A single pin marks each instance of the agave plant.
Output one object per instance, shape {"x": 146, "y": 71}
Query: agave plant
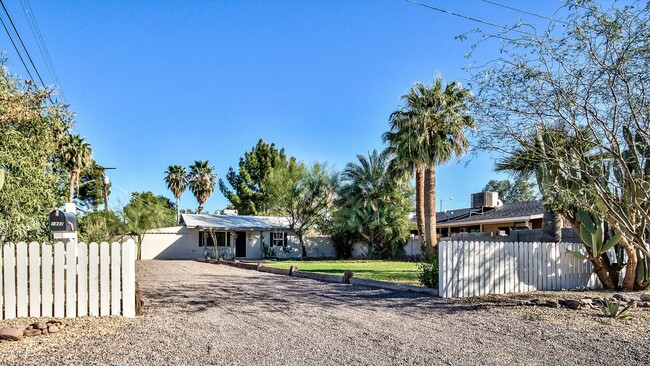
{"x": 614, "y": 310}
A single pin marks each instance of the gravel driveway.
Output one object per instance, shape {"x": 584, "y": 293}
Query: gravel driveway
{"x": 200, "y": 314}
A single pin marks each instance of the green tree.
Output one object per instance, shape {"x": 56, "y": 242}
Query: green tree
{"x": 374, "y": 205}
{"x": 249, "y": 195}
{"x": 521, "y": 189}
{"x": 176, "y": 180}
{"x": 587, "y": 77}
{"x": 302, "y": 195}
{"x": 432, "y": 125}
{"x": 146, "y": 211}
{"x": 91, "y": 187}
{"x": 76, "y": 156}
{"x": 30, "y": 132}
{"x": 201, "y": 182}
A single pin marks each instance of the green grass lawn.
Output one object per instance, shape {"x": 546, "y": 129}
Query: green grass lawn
{"x": 393, "y": 271}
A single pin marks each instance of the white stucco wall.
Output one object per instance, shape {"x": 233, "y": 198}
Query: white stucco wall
{"x": 171, "y": 243}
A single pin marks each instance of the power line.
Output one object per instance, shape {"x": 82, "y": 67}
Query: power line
{"x": 42, "y": 47}
{"x": 524, "y": 11}
{"x": 22, "y": 43}
{"x": 466, "y": 17}
{"x": 16, "y": 48}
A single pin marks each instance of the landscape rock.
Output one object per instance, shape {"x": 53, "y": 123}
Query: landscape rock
{"x": 40, "y": 325}
{"x": 645, "y": 297}
{"x": 622, "y": 297}
{"x": 571, "y": 304}
{"x": 32, "y": 332}
{"x": 12, "y": 334}
{"x": 587, "y": 301}
{"x": 53, "y": 329}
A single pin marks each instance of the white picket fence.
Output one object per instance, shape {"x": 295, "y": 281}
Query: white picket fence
{"x": 67, "y": 280}
{"x": 479, "y": 268}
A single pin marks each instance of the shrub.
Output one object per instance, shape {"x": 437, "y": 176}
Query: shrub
{"x": 615, "y": 310}
{"x": 428, "y": 275}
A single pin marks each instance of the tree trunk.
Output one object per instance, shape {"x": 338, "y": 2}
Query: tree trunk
{"x": 419, "y": 208}
{"x": 105, "y": 194}
{"x": 630, "y": 268}
{"x": 551, "y": 227}
{"x": 430, "y": 208}
{"x": 71, "y": 193}
{"x": 302, "y": 247}
{"x": 200, "y": 208}
{"x": 178, "y": 212}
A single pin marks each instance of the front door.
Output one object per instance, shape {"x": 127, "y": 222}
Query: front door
{"x": 240, "y": 244}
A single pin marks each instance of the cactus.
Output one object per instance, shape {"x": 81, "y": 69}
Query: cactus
{"x": 592, "y": 234}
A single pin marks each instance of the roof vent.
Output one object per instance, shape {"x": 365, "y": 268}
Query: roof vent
{"x": 485, "y": 199}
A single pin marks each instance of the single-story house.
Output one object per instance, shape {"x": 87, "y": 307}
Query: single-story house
{"x": 498, "y": 220}
{"x": 230, "y": 236}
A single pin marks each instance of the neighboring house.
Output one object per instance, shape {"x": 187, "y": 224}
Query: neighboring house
{"x": 230, "y": 236}
{"x": 492, "y": 221}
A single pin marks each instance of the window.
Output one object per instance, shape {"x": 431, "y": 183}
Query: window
{"x": 278, "y": 238}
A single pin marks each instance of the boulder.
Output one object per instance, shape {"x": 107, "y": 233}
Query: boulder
{"x": 53, "y": 329}
{"x": 12, "y": 334}
{"x": 40, "y": 325}
{"x": 645, "y": 297}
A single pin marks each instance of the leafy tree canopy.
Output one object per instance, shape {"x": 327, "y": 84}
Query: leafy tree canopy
{"x": 249, "y": 194}
{"x": 520, "y": 189}
{"x": 30, "y": 130}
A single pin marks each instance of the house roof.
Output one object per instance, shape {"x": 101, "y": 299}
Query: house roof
{"x": 506, "y": 212}
{"x": 235, "y": 222}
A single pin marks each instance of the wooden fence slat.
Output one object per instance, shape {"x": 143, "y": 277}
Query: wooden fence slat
{"x": 104, "y": 280}
{"x": 93, "y": 279}
{"x": 442, "y": 269}
{"x": 82, "y": 279}
{"x": 116, "y": 294}
{"x": 34, "y": 279}
{"x": 22, "y": 300}
{"x": 59, "y": 280}
{"x": 46, "y": 277}
{"x": 128, "y": 279}
{"x": 71, "y": 280}
{"x": 10, "y": 280}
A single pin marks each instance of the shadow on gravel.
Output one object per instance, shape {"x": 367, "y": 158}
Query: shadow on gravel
{"x": 268, "y": 293}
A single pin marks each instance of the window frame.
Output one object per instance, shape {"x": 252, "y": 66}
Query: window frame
{"x": 275, "y": 239}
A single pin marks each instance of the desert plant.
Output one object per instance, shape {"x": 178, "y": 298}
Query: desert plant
{"x": 613, "y": 309}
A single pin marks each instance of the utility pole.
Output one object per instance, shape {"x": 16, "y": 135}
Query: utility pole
{"x": 105, "y": 183}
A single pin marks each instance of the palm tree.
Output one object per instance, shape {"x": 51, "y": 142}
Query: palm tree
{"x": 176, "y": 179}
{"x": 376, "y": 205}
{"x": 76, "y": 155}
{"x": 427, "y": 131}
{"x": 202, "y": 181}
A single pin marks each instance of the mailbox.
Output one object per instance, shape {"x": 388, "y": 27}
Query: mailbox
{"x": 63, "y": 222}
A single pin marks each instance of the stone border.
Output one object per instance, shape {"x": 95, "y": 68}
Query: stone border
{"x": 348, "y": 277}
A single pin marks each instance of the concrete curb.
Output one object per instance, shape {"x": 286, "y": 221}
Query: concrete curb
{"x": 328, "y": 277}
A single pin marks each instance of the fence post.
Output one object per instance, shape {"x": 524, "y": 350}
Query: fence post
{"x": 46, "y": 270}
{"x": 34, "y": 279}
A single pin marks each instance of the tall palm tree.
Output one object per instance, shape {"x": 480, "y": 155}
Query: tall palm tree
{"x": 427, "y": 131}
{"x": 176, "y": 179}
{"x": 202, "y": 181}
{"x": 76, "y": 155}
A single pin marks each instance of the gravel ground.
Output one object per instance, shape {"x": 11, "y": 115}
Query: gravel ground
{"x": 202, "y": 314}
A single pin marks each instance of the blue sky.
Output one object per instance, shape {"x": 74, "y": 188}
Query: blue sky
{"x": 155, "y": 83}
